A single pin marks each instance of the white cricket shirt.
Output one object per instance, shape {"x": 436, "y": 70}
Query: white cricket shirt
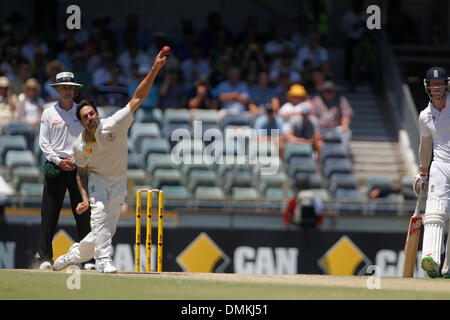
{"x": 108, "y": 155}
{"x": 437, "y": 124}
{"x": 59, "y": 129}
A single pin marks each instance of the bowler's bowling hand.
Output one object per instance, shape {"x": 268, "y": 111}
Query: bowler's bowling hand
{"x": 160, "y": 60}
{"x": 82, "y": 207}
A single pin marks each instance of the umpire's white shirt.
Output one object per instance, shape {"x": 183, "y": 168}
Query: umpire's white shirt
{"x": 59, "y": 129}
{"x": 437, "y": 124}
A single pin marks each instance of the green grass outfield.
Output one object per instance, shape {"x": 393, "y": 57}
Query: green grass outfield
{"x": 35, "y": 284}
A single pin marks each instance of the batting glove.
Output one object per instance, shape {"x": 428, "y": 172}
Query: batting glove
{"x": 420, "y": 183}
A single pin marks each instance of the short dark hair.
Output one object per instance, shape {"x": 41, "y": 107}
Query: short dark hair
{"x": 84, "y": 103}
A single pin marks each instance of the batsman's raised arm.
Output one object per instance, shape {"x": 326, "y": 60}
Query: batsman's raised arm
{"x": 144, "y": 87}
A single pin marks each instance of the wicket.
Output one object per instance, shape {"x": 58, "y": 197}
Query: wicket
{"x": 148, "y": 242}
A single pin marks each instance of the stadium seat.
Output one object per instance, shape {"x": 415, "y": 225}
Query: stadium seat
{"x": 26, "y": 174}
{"x": 7, "y": 142}
{"x": 333, "y": 165}
{"x": 279, "y": 179}
{"x": 204, "y": 193}
{"x": 237, "y": 178}
{"x": 31, "y": 189}
{"x": 159, "y": 161}
{"x": 343, "y": 179}
{"x": 137, "y": 176}
{"x": 207, "y": 117}
{"x": 297, "y": 149}
{"x": 154, "y": 115}
{"x": 176, "y": 116}
{"x": 235, "y": 119}
{"x": 134, "y": 161}
{"x": 170, "y": 129}
{"x": 263, "y": 149}
{"x": 167, "y": 175}
{"x": 16, "y": 158}
{"x": 189, "y": 151}
{"x": 187, "y": 168}
{"x": 274, "y": 194}
{"x": 154, "y": 145}
{"x": 139, "y": 131}
{"x": 301, "y": 164}
{"x": 330, "y": 135}
{"x": 346, "y": 194}
{"x": 194, "y": 184}
{"x": 379, "y": 181}
{"x": 23, "y": 129}
{"x": 333, "y": 150}
{"x": 244, "y": 198}
{"x": 176, "y": 193}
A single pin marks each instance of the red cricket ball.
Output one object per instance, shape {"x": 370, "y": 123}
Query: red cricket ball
{"x": 165, "y": 50}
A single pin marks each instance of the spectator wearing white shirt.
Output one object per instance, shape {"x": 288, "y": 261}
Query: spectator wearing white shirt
{"x": 297, "y": 101}
{"x": 29, "y": 107}
{"x": 313, "y": 52}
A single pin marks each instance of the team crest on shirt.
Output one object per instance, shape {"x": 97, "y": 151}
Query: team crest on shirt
{"x": 111, "y": 137}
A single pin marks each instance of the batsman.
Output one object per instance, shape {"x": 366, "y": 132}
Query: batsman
{"x": 434, "y": 123}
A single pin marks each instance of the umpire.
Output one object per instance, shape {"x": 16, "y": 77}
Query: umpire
{"x": 59, "y": 128}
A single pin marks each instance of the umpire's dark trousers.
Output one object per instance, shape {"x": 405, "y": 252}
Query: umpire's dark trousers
{"x": 52, "y": 201}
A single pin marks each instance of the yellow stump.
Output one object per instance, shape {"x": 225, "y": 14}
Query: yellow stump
{"x": 149, "y": 231}
{"x": 138, "y": 231}
{"x": 160, "y": 230}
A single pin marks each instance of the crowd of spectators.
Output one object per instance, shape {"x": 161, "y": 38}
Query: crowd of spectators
{"x": 284, "y": 78}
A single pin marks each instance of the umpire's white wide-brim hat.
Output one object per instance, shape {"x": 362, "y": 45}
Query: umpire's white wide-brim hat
{"x": 65, "y": 78}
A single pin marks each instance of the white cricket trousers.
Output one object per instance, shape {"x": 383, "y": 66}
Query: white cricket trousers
{"x": 436, "y": 213}
{"x": 106, "y": 198}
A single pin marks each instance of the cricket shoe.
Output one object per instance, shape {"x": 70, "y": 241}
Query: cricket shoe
{"x": 89, "y": 266}
{"x": 46, "y": 265}
{"x": 430, "y": 267}
{"x": 65, "y": 260}
{"x": 105, "y": 266}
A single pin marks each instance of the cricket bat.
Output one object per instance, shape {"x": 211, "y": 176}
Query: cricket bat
{"x": 412, "y": 241}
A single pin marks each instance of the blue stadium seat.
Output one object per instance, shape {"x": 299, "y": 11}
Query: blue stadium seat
{"x": 134, "y": 161}
{"x": 207, "y": 117}
{"x": 176, "y": 116}
{"x": 298, "y": 150}
{"x": 333, "y": 150}
{"x": 235, "y": 119}
{"x": 23, "y": 129}
{"x": 16, "y": 158}
{"x": 158, "y": 161}
{"x": 154, "y": 145}
{"x": 154, "y": 115}
{"x": 330, "y": 135}
{"x": 139, "y": 131}
{"x": 7, "y": 143}
{"x": 332, "y": 165}
{"x": 301, "y": 164}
